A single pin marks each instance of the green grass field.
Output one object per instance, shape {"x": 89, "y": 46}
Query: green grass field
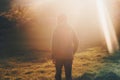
{"x": 89, "y": 61}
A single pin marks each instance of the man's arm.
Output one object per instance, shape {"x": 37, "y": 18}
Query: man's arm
{"x": 53, "y": 48}
{"x": 75, "y": 42}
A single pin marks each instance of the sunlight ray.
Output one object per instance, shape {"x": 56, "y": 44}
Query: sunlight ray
{"x": 107, "y": 27}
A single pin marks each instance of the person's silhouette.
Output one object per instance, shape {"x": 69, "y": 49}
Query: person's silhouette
{"x": 64, "y": 45}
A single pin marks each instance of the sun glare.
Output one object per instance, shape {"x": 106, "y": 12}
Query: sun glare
{"x": 107, "y": 27}
{"x": 82, "y": 15}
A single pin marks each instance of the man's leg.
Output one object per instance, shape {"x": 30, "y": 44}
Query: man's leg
{"x": 58, "y": 66}
{"x": 68, "y": 69}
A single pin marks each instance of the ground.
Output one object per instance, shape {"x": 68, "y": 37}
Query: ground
{"x": 92, "y": 60}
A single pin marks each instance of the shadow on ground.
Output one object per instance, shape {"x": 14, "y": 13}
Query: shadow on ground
{"x": 110, "y": 71}
{"x": 107, "y": 76}
{"x": 115, "y": 58}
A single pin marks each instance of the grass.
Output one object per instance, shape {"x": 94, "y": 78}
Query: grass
{"x": 88, "y": 61}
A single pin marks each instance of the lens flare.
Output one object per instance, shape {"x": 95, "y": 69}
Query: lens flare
{"x": 107, "y": 27}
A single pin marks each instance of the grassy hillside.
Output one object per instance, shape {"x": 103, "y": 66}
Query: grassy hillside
{"x": 15, "y": 68}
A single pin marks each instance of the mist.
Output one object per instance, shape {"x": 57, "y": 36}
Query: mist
{"x": 42, "y": 20}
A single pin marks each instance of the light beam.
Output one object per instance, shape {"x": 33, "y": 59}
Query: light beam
{"x": 107, "y": 27}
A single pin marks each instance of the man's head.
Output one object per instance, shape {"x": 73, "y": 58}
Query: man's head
{"x": 62, "y": 19}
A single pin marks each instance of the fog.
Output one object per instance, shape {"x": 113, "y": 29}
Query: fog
{"x": 82, "y": 17}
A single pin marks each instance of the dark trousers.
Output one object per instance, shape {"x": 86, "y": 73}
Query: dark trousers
{"x": 67, "y": 66}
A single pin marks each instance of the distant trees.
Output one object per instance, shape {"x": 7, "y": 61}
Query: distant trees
{"x": 13, "y": 21}
{"x": 5, "y": 5}
{"x": 114, "y": 8}
{"x": 7, "y": 36}
{"x": 115, "y": 15}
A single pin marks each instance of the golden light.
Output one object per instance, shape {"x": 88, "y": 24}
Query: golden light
{"x": 107, "y": 27}
{"x": 82, "y": 16}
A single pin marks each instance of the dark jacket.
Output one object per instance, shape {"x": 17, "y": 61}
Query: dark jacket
{"x": 64, "y": 43}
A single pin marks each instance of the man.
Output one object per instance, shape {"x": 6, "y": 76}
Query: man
{"x": 64, "y": 45}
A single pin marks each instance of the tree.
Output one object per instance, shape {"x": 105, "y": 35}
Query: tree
{"x": 5, "y": 5}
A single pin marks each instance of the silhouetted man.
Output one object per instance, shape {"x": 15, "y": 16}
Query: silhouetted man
{"x": 64, "y": 45}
